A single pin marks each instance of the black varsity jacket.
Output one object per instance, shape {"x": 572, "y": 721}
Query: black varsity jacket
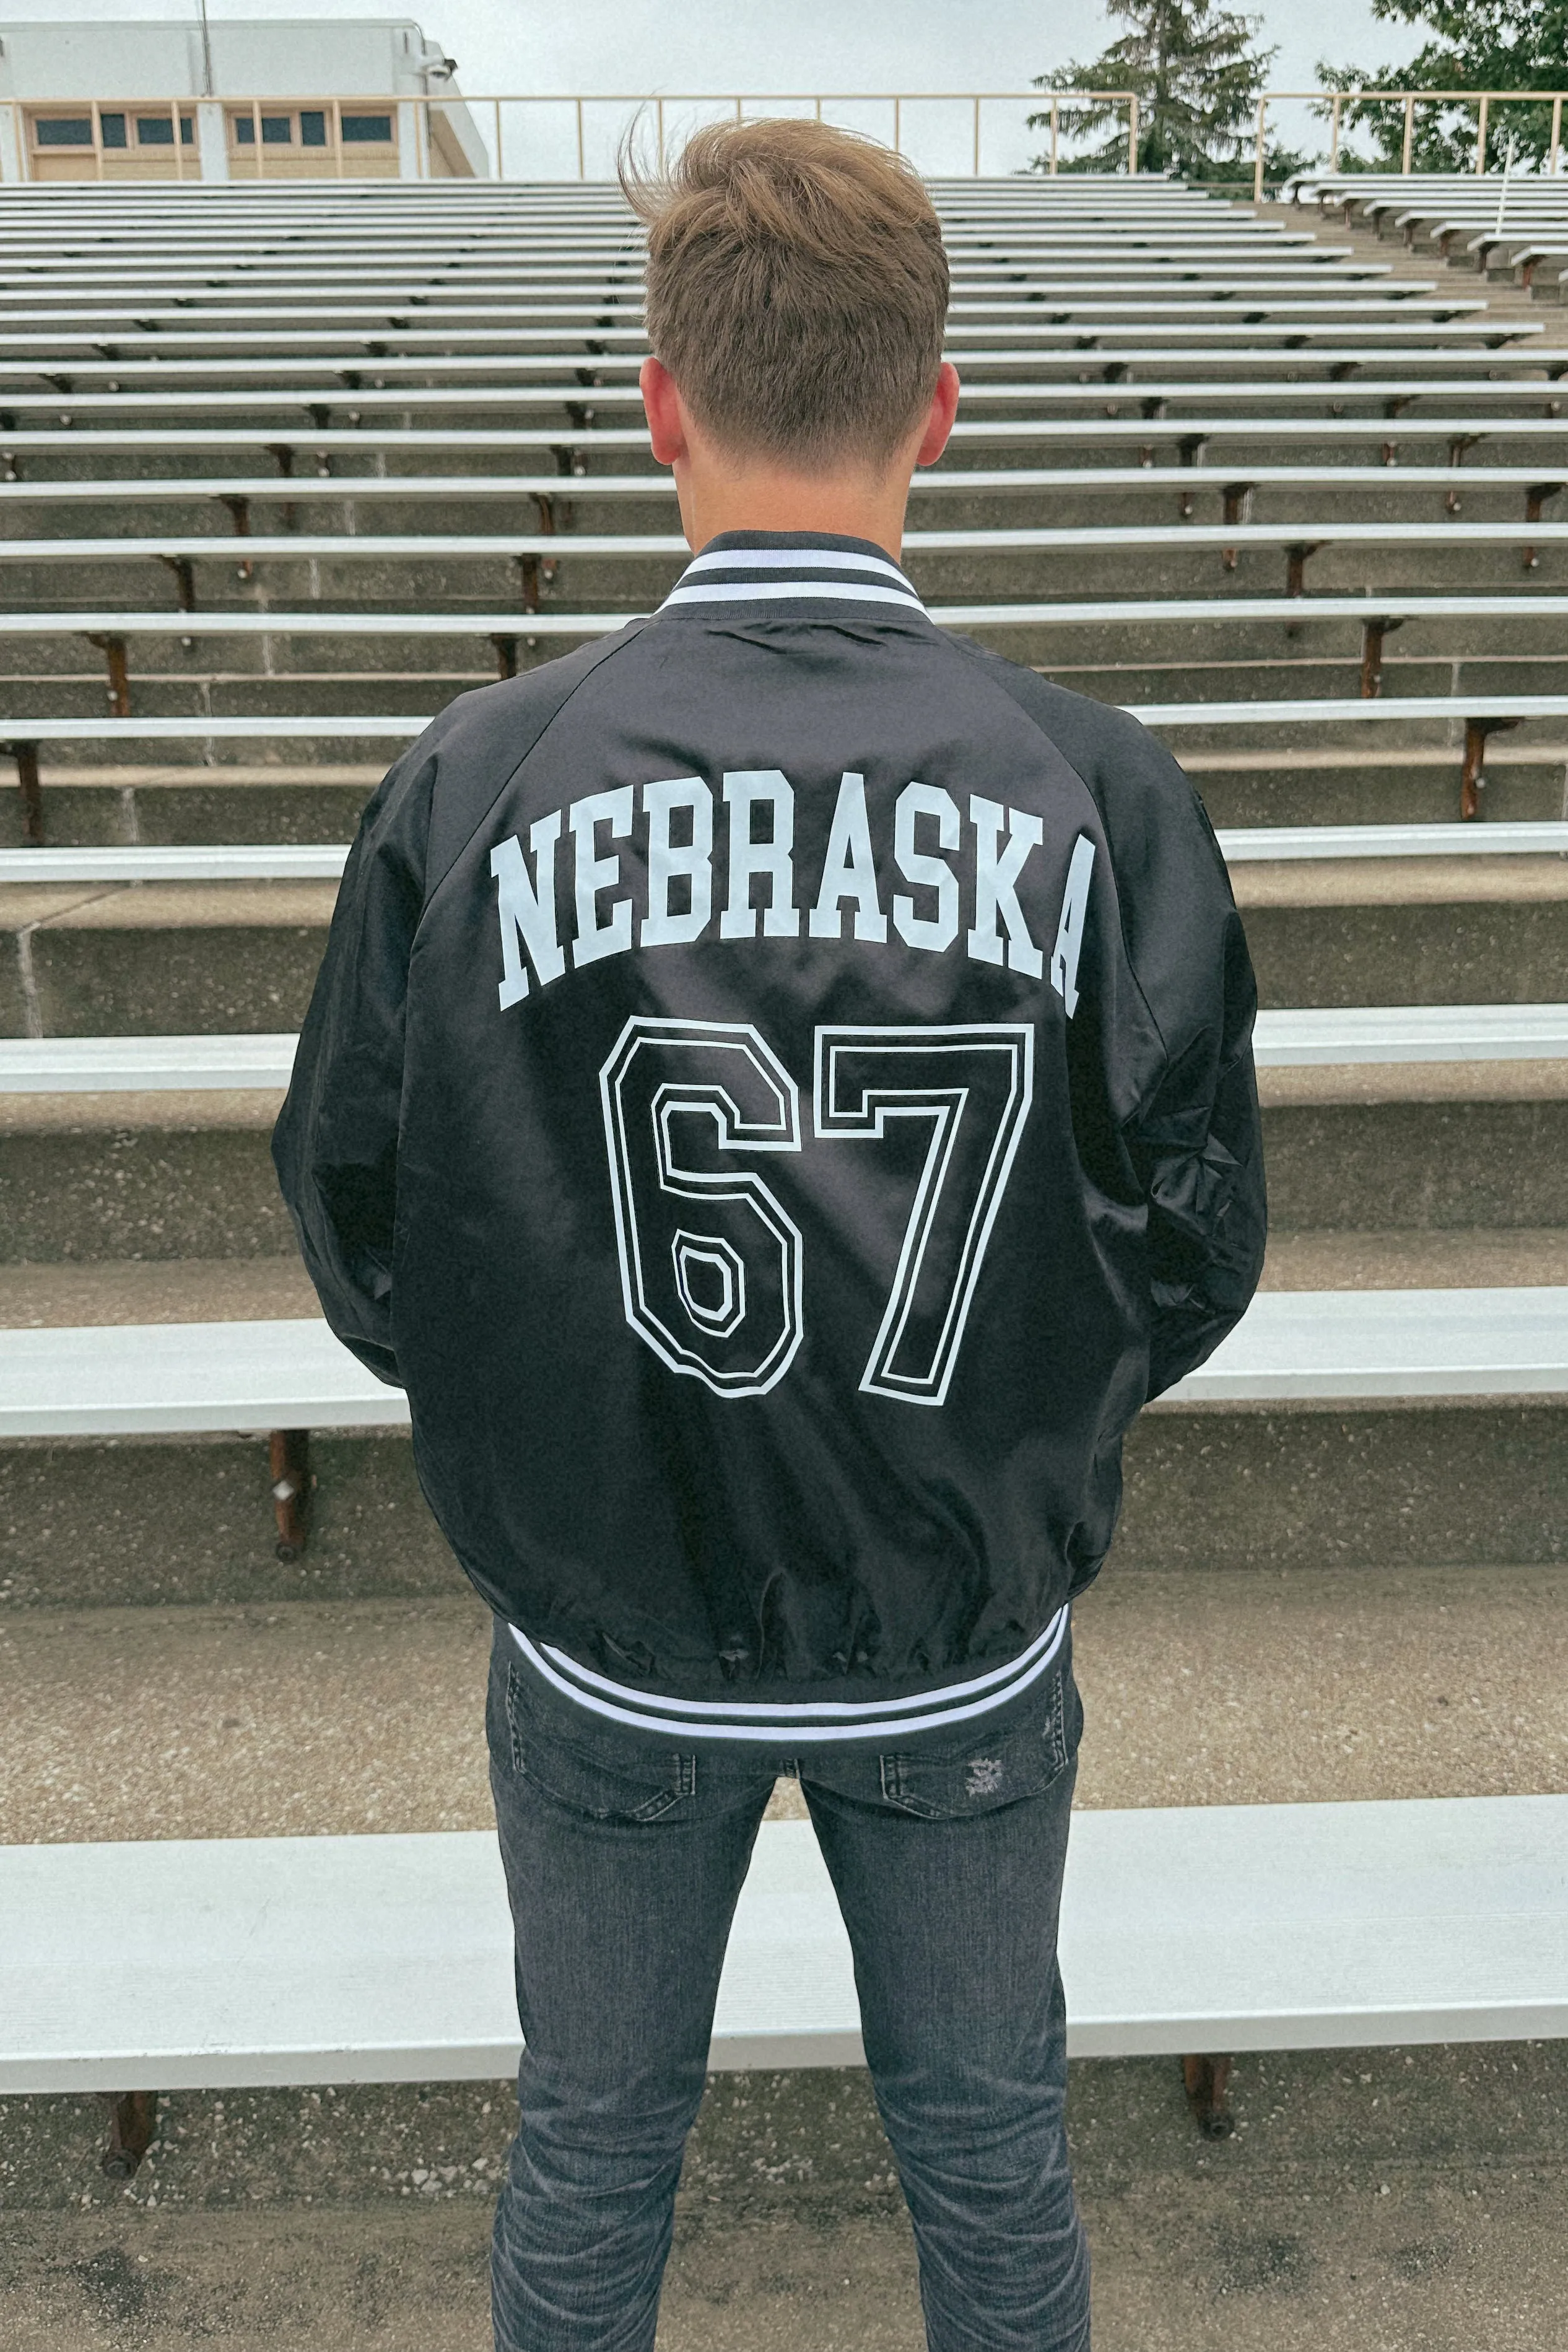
{"x": 779, "y": 1097}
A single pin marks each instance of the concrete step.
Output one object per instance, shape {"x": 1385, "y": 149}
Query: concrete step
{"x": 90, "y": 1180}
{"x": 1403, "y": 2199}
{"x": 161, "y": 959}
{"x": 323, "y": 1717}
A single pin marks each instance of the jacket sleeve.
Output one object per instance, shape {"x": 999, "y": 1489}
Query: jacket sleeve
{"x": 1194, "y": 1137}
{"x": 335, "y": 1144}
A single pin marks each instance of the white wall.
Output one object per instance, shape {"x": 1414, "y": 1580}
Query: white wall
{"x": 281, "y": 57}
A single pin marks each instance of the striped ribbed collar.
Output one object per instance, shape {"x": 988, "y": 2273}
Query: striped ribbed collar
{"x": 775, "y": 567}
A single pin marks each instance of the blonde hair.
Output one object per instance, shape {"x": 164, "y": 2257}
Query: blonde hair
{"x": 796, "y": 289}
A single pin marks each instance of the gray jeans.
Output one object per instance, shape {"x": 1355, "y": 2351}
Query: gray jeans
{"x": 624, "y": 1860}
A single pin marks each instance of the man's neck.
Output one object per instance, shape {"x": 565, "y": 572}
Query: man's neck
{"x": 841, "y": 506}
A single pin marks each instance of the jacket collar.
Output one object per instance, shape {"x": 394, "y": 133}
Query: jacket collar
{"x": 773, "y": 567}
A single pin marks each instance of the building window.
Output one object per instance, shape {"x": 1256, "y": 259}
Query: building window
{"x": 313, "y": 127}
{"x": 368, "y": 127}
{"x": 111, "y": 129}
{"x": 63, "y": 130}
{"x": 158, "y": 131}
{"x": 277, "y": 130}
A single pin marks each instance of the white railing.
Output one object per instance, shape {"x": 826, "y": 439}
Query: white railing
{"x": 1053, "y": 113}
{"x": 1483, "y": 100}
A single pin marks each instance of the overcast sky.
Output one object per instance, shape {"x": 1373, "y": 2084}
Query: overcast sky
{"x": 805, "y": 44}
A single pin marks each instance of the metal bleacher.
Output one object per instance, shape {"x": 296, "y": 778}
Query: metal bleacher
{"x": 285, "y": 469}
{"x": 1520, "y": 233}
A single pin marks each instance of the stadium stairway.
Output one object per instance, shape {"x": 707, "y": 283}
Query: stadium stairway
{"x": 163, "y": 1671}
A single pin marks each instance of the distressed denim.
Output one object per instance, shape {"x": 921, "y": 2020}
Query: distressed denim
{"x": 624, "y": 1860}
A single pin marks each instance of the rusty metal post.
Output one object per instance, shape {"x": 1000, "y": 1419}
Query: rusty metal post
{"x": 1236, "y": 508}
{"x": 1204, "y": 2081}
{"x": 27, "y": 785}
{"x": 1296, "y": 565}
{"x": 506, "y": 656}
{"x": 184, "y": 580}
{"x": 288, "y": 1464}
{"x": 119, "y": 679}
{"x": 1372, "y": 634}
{"x": 133, "y": 2125}
{"x": 1535, "y": 498}
{"x": 1472, "y": 773}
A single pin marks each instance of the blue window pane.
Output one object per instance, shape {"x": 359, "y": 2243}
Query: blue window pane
{"x": 366, "y": 128}
{"x": 313, "y": 127}
{"x": 187, "y": 129}
{"x": 154, "y": 130}
{"x": 244, "y": 131}
{"x": 277, "y": 130}
{"x": 112, "y": 129}
{"x": 63, "y": 131}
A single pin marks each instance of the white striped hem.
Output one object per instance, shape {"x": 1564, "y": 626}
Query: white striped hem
{"x": 783, "y": 1724}
{"x": 751, "y": 591}
{"x": 783, "y": 558}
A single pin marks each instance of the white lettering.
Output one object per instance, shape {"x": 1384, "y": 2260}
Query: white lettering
{"x": 931, "y": 931}
{"x": 849, "y": 871}
{"x": 669, "y": 861}
{"x": 743, "y": 789}
{"x": 997, "y": 876}
{"x": 528, "y": 908}
{"x": 1069, "y": 930}
{"x": 595, "y": 875}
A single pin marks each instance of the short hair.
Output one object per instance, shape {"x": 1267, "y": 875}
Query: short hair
{"x": 796, "y": 289}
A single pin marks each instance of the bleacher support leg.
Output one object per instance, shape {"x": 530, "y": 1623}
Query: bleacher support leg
{"x": 1296, "y": 565}
{"x": 1472, "y": 776}
{"x": 184, "y": 580}
{"x": 1535, "y": 498}
{"x": 132, "y": 2125}
{"x": 1206, "y": 2080}
{"x": 113, "y": 652}
{"x": 27, "y": 785}
{"x": 506, "y": 656}
{"x": 1372, "y": 634}
{"x": 288, "y": 1462}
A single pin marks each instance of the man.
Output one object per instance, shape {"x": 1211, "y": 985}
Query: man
{"x": 779, "y": 1098}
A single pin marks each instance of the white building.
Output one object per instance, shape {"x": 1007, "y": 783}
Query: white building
{"x": 303, "y": 98}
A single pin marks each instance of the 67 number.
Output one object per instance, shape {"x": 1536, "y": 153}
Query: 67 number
{"x": 710, "y": 1260}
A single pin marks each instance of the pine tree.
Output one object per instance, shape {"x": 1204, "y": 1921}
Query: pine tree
{"x": 1197, "y": 72}
{"x": 1479, "y": 44}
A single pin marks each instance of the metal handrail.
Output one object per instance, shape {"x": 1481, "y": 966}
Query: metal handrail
{"x": 1048, "y": 105}
{"x": 1052, "y": 104}
{"x": 1482, "y": 100}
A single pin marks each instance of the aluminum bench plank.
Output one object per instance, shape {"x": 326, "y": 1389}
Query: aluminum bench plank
{"x": 635, "y": 547}
{"x": 1249, "y": 844}
{"x": 1286, "y": 1038}
{"x": 1377, "y": 710}
{"x": 241, "y": 1962}
{"x": 1085, "y": 432}
{"x": 367, "y": 400}
{"x": 1316, "y": 1036}
{"x": 138, "y": 1379}
{"x": 1295, "y": 1346}
{"x": 295, "y": 489}
{"x": 147, "y": 1380}
{"x": 324, "y": 861}
{"x": 231, "y": 1061}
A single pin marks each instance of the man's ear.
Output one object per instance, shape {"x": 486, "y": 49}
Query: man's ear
{"x": 665, "y": 423}
{"x": 939, "y": 422}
